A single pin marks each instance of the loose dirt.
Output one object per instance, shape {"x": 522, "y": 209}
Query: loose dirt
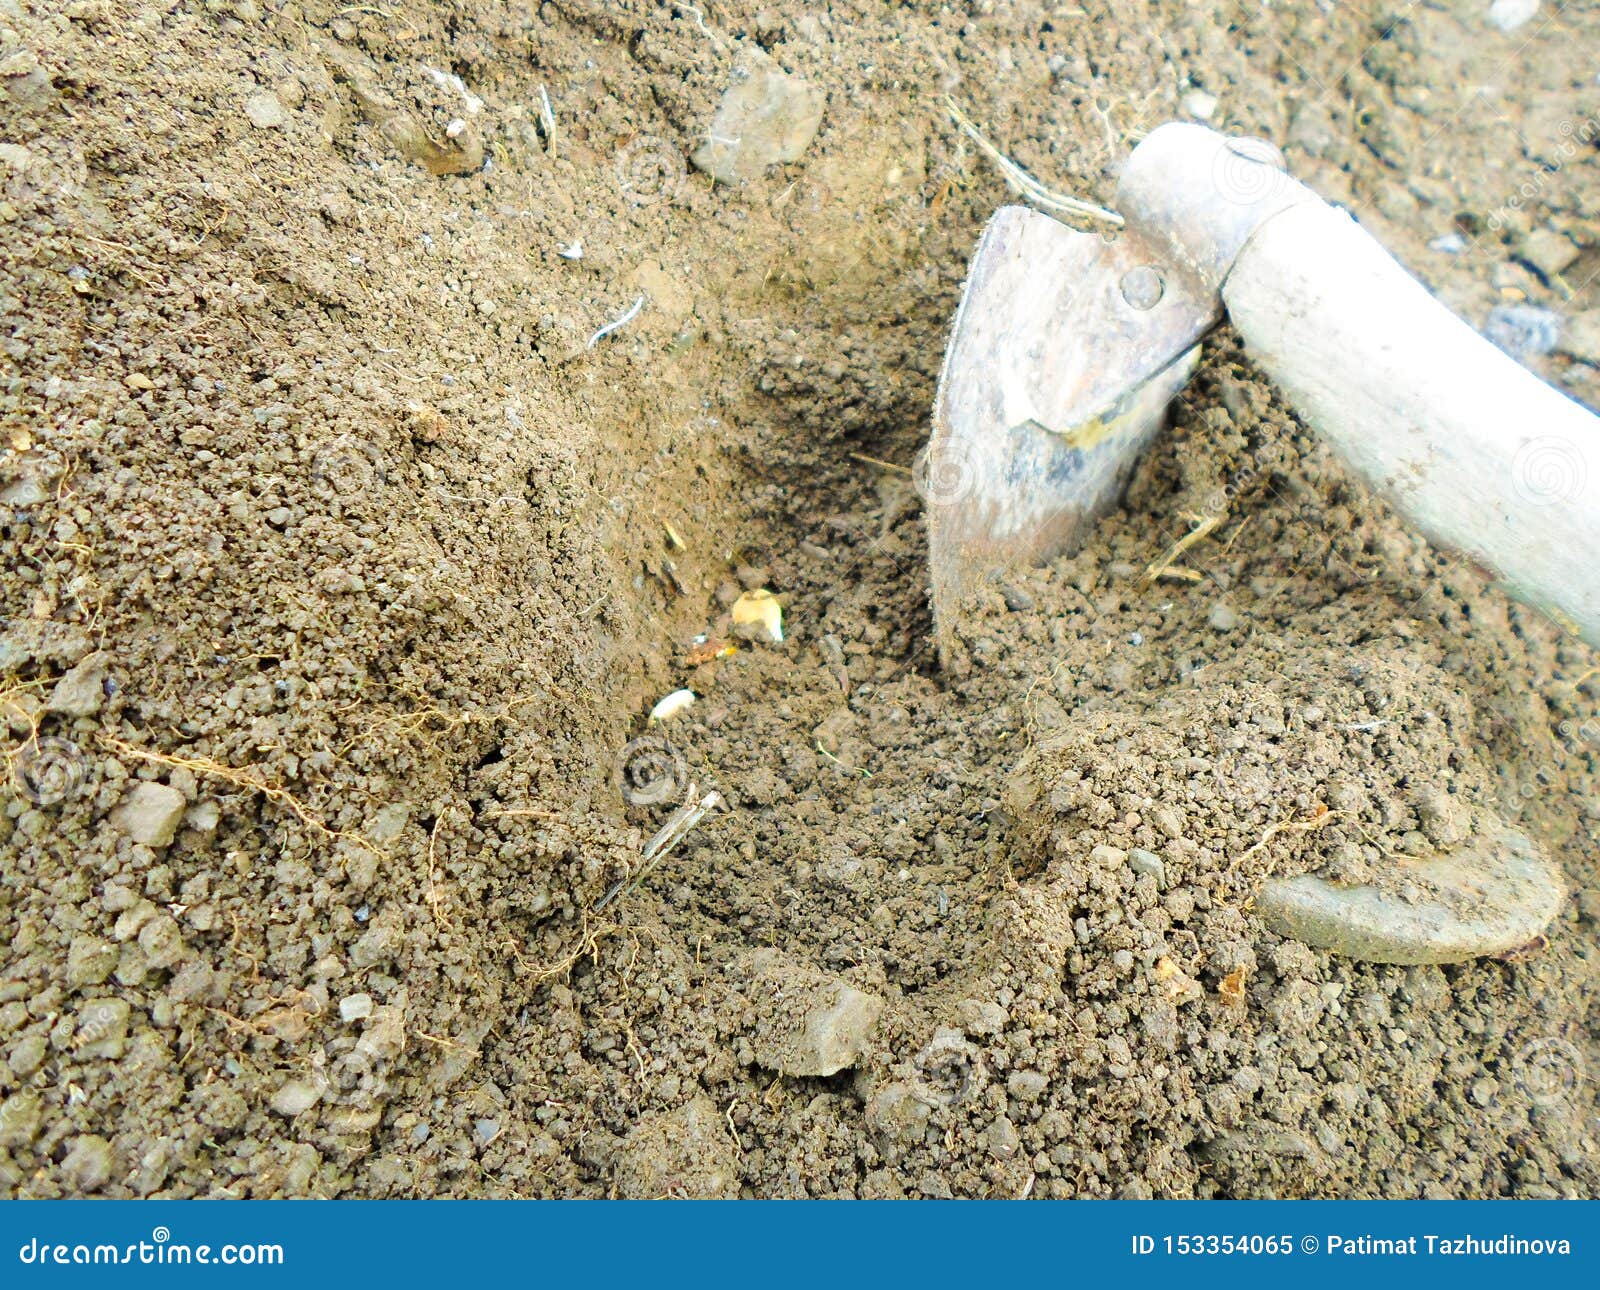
{"x": 326, "y": 518}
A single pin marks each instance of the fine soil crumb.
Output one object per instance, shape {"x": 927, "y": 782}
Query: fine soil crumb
{"x": 392, "y": 412}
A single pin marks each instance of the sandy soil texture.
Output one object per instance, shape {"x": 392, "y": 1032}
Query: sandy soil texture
{"x": 345, "y": 551}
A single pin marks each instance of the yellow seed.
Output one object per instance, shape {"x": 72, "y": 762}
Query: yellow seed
{"x": 760, "y": 614}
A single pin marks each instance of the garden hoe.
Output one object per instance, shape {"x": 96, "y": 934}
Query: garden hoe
{"x": 1067, "y": 349}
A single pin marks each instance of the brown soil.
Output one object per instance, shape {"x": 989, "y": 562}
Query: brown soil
{"x": 321, "y": 511}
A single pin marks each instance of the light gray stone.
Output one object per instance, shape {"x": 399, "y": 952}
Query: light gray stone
{"x": 1580, "y": 339}
{"x": 265, "y": 112}
{"x": 1222, "y": 617}
{"x": 808, "y": 1023}
{"x": 1148, "y": 862}
{"x": 295, "y": 1097}
{"x": 766, "y": 117}
{"x": 150, "y": 814}
{"x": 81, "y": 692}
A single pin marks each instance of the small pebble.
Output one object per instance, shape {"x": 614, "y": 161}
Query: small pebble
{"x": 1449, "y": 244}
{"x": 295, "y": 1097}
{"x": 1523, "y": 330}
{"x": 1508, "y": 15}
{"x": 150, "y": 814}
{"x": 765, "y": 117}
{"x": 1549, "y": 252}
{"x": 1148, "y": 862}
{"x": 265, "y": 112}
{"x": 1027, "y": 1086}
{"x": 355, "y": 1007}
{"x": 1199, "y": 105}
{"x": 1580, "y": 338}
{"x": 1222, "y": 617}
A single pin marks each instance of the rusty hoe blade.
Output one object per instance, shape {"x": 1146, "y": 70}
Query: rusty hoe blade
{"x": 1068, "y": 348}
{"x": 1065, "y": 353}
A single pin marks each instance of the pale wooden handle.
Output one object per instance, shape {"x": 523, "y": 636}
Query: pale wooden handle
{"x": 1475, "y": 450}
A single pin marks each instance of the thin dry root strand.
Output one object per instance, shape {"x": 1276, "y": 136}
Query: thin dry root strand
{"x": 238, "y": 778}
{"x": 1316, "y": 822}
{"x": 433, "y": 889}
{"x": 1026, "y": 184}
{"x": 1164, "y": 567}
{"x": 588, "y": 943}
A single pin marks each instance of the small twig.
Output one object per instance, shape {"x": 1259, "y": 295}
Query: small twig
{"x": 1233, "y": 537}
{"x": 677, "y": 827}
{"x": 1025, "y": 183}
{"x": 1162, "y": 568}
{"x": 1289, "y": 826}
{"x": 433, "y": 891}
{"x": 878, "y": 461}
{"x": 616, "y": 323}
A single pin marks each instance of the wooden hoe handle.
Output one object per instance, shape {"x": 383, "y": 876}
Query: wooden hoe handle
{"x": 1479, "y": 453}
